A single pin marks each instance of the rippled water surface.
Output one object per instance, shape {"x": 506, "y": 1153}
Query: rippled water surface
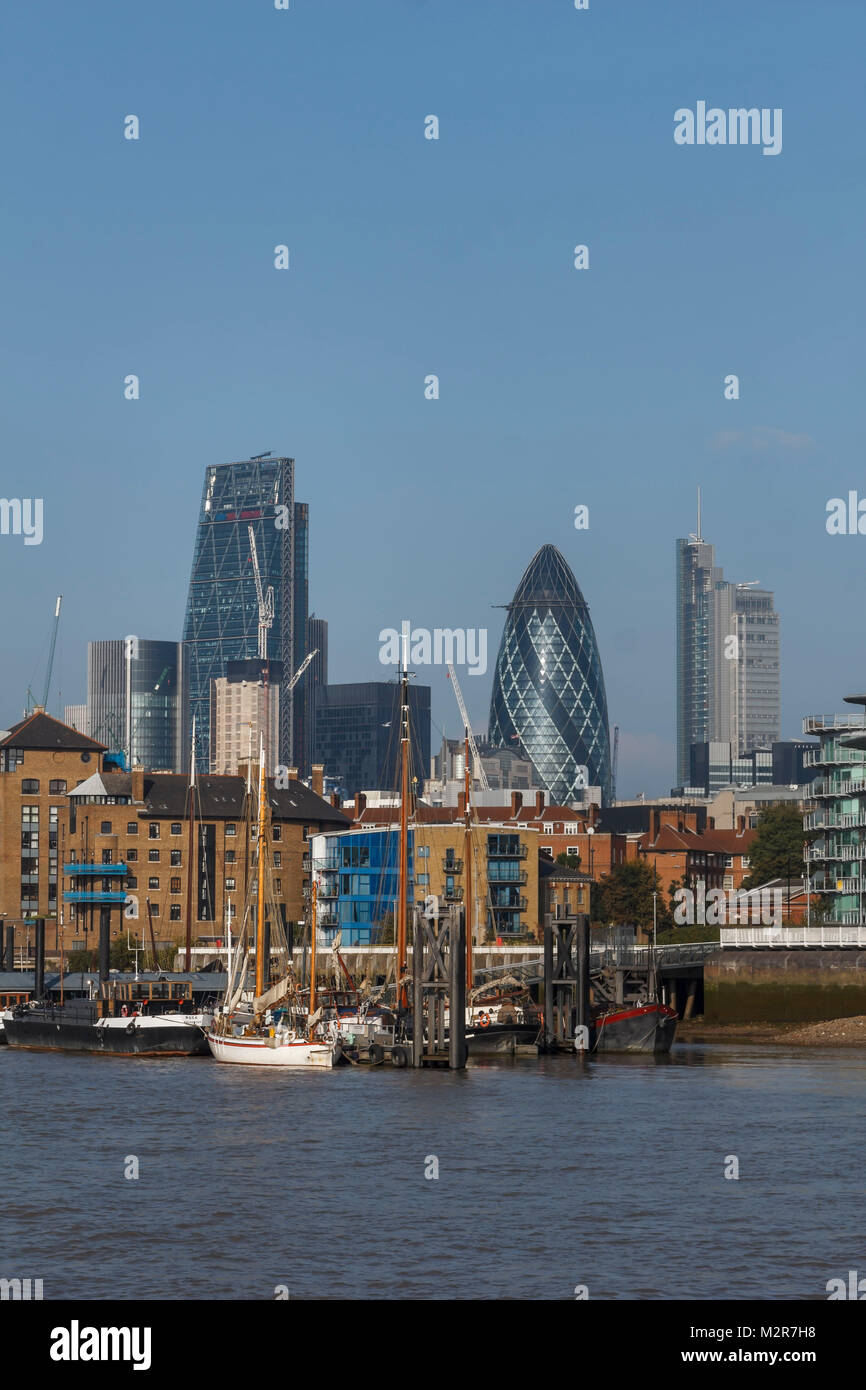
{"x": 551, "y": 1174}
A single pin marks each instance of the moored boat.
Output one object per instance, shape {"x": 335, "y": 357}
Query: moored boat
{"x": 262, "y": 1021}
{"x": 647, "y": 1027}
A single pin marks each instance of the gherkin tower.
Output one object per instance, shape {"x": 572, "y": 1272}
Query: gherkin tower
{"x": 548, "y": 688}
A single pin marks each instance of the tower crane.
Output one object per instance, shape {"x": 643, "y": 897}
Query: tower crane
{"x": 265, "y": 600}
{"x": 476, "y": 757}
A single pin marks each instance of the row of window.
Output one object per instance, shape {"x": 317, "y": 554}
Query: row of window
{"x": 56, "y": 787}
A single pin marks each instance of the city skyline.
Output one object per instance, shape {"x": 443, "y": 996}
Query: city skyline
{"x": 607, "y": 382}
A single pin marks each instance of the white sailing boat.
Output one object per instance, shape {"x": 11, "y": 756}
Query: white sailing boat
{"x": 262, "y": 1022}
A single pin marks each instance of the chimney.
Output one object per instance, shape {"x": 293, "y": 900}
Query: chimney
{"x": 516, "y": 803}
{"x": 461, "y": 803}
{"x": 318, "y": 778}
{"x": 335, "y": 800}
{"x": 137, "y": 784}
{"x": 360, "y": 804}
{"x": 539, "y": 804}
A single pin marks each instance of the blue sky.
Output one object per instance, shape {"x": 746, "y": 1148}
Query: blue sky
{"x": 453, "y": 257}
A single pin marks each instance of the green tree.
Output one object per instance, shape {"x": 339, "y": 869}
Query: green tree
{"x": 626, "y": 895}
{"x": 777, "y": 849}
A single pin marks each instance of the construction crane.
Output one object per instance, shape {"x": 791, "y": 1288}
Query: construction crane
{"x": 301, "y": 669}
{"x": 265, "y": 601}
{"x": 476, "y": 757}
{"x": 613, "y": 762}
{"x": 50, "y": 659}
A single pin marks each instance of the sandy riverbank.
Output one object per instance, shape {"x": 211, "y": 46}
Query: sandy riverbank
{"x": 834, "y": 1032}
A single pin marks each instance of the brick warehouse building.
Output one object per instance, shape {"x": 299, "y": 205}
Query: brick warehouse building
{"x": 60, "y": 803}
{"x": 41, "y": 759}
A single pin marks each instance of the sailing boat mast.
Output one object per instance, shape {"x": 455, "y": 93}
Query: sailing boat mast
{"x": 467, "y": 855}
{"x": 260, "y": 898}
{"x": 190, "y": 854}
{"x": 313, "y": 930}
{"x": 403, "y": 867}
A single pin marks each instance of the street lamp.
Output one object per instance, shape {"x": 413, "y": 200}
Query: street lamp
{"x": 590, "y": 830}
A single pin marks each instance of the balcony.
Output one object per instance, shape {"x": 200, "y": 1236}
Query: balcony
{"x": 93, "y": 896}
{"x": 818, "y": 723}
{"x": 94, "y": 870}
{"x": 453, "y": 895}
{"x": 518, "y": 905}
{"x": 519, "y": 877}
{"x": 452, "y": 866}
{"x": 518, "y": 852}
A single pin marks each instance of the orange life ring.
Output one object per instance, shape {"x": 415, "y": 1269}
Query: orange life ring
{"x": 484, "y": 1021}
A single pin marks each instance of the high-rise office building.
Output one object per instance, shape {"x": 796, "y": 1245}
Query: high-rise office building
{"x": 135, "y": 701}
{"x": 728, "y": 679}
{"x": 549, "y": 700}
{"x": 76, "y": 717}
{"x": 358, "y": 734}
{"x": 244, "y": 714}
{"x": 299, "y": 647}
{"x": 316, "y": 676}
{"x": 222, "y": 614}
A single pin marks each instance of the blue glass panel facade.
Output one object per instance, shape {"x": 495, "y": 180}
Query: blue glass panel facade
{"x": 548, "y": 690}
{"x": 222, "y": 611}
{"x": 357, "y": 884}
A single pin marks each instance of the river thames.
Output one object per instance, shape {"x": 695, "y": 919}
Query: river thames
{"x": 552, "y": 1175}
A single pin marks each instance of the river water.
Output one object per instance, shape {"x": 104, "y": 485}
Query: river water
{"x": 552, "y": 1174}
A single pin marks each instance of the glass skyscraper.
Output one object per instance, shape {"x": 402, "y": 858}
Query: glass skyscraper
{"x": 548, "y": 700}
{"x": 728, "y": 676}
{"x": 358, "y": 734}
{"x": 135, "y": 700}
{"x": 222, "y": 611}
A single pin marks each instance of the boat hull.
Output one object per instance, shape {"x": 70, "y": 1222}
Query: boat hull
{"x": 501, "y": 1039}
{"x": 48, "y": 1030}
{"x": 646, "y": 1028}
{"x": 271, "y": 1052}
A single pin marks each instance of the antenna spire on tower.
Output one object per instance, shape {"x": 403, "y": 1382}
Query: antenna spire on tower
{"x": 698, "y": 536}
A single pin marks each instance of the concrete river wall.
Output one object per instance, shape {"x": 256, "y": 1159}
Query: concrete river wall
{"x": 785, "y": 986}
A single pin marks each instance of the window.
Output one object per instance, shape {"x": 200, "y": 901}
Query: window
{"x": 132, "y": 855}
{"x": 153, "y": 856}
{"x": 132, "y": 881}
{"x": 278, "y": 886}
{"x": 230, "y": 856}
{"x": 57, "y": 787}
{"x": 278, "y": 860}
{"x": 231, "y": 830}
{"x": 230, "y": 885}
{"x": 154, "y": 909}
{"x": 153, "y": 883}
{"x": 572, "y": 849}
{"x": 174, "y": 885}
{"x": 425, "y": 878}
{"x": 153, "y": 830}
{"x": 423, "y": 852}
{"x": 547, "y": 851}
{"x": 174, "y": 912}
{"x": 277, "y": 832}
{"x": 132, "y": 827}
{"x": 11, "y": 758}
{"x": 30, "y": 786}
{"x": 106, "y": 856}
{"x": 175, "y": 858}
{"x": 105, "y": 827}
{"x": 176, "y": 827}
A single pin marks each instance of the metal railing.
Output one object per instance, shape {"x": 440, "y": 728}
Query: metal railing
{"x": 832, "y": 934}
{"x": 817, "y": 723}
